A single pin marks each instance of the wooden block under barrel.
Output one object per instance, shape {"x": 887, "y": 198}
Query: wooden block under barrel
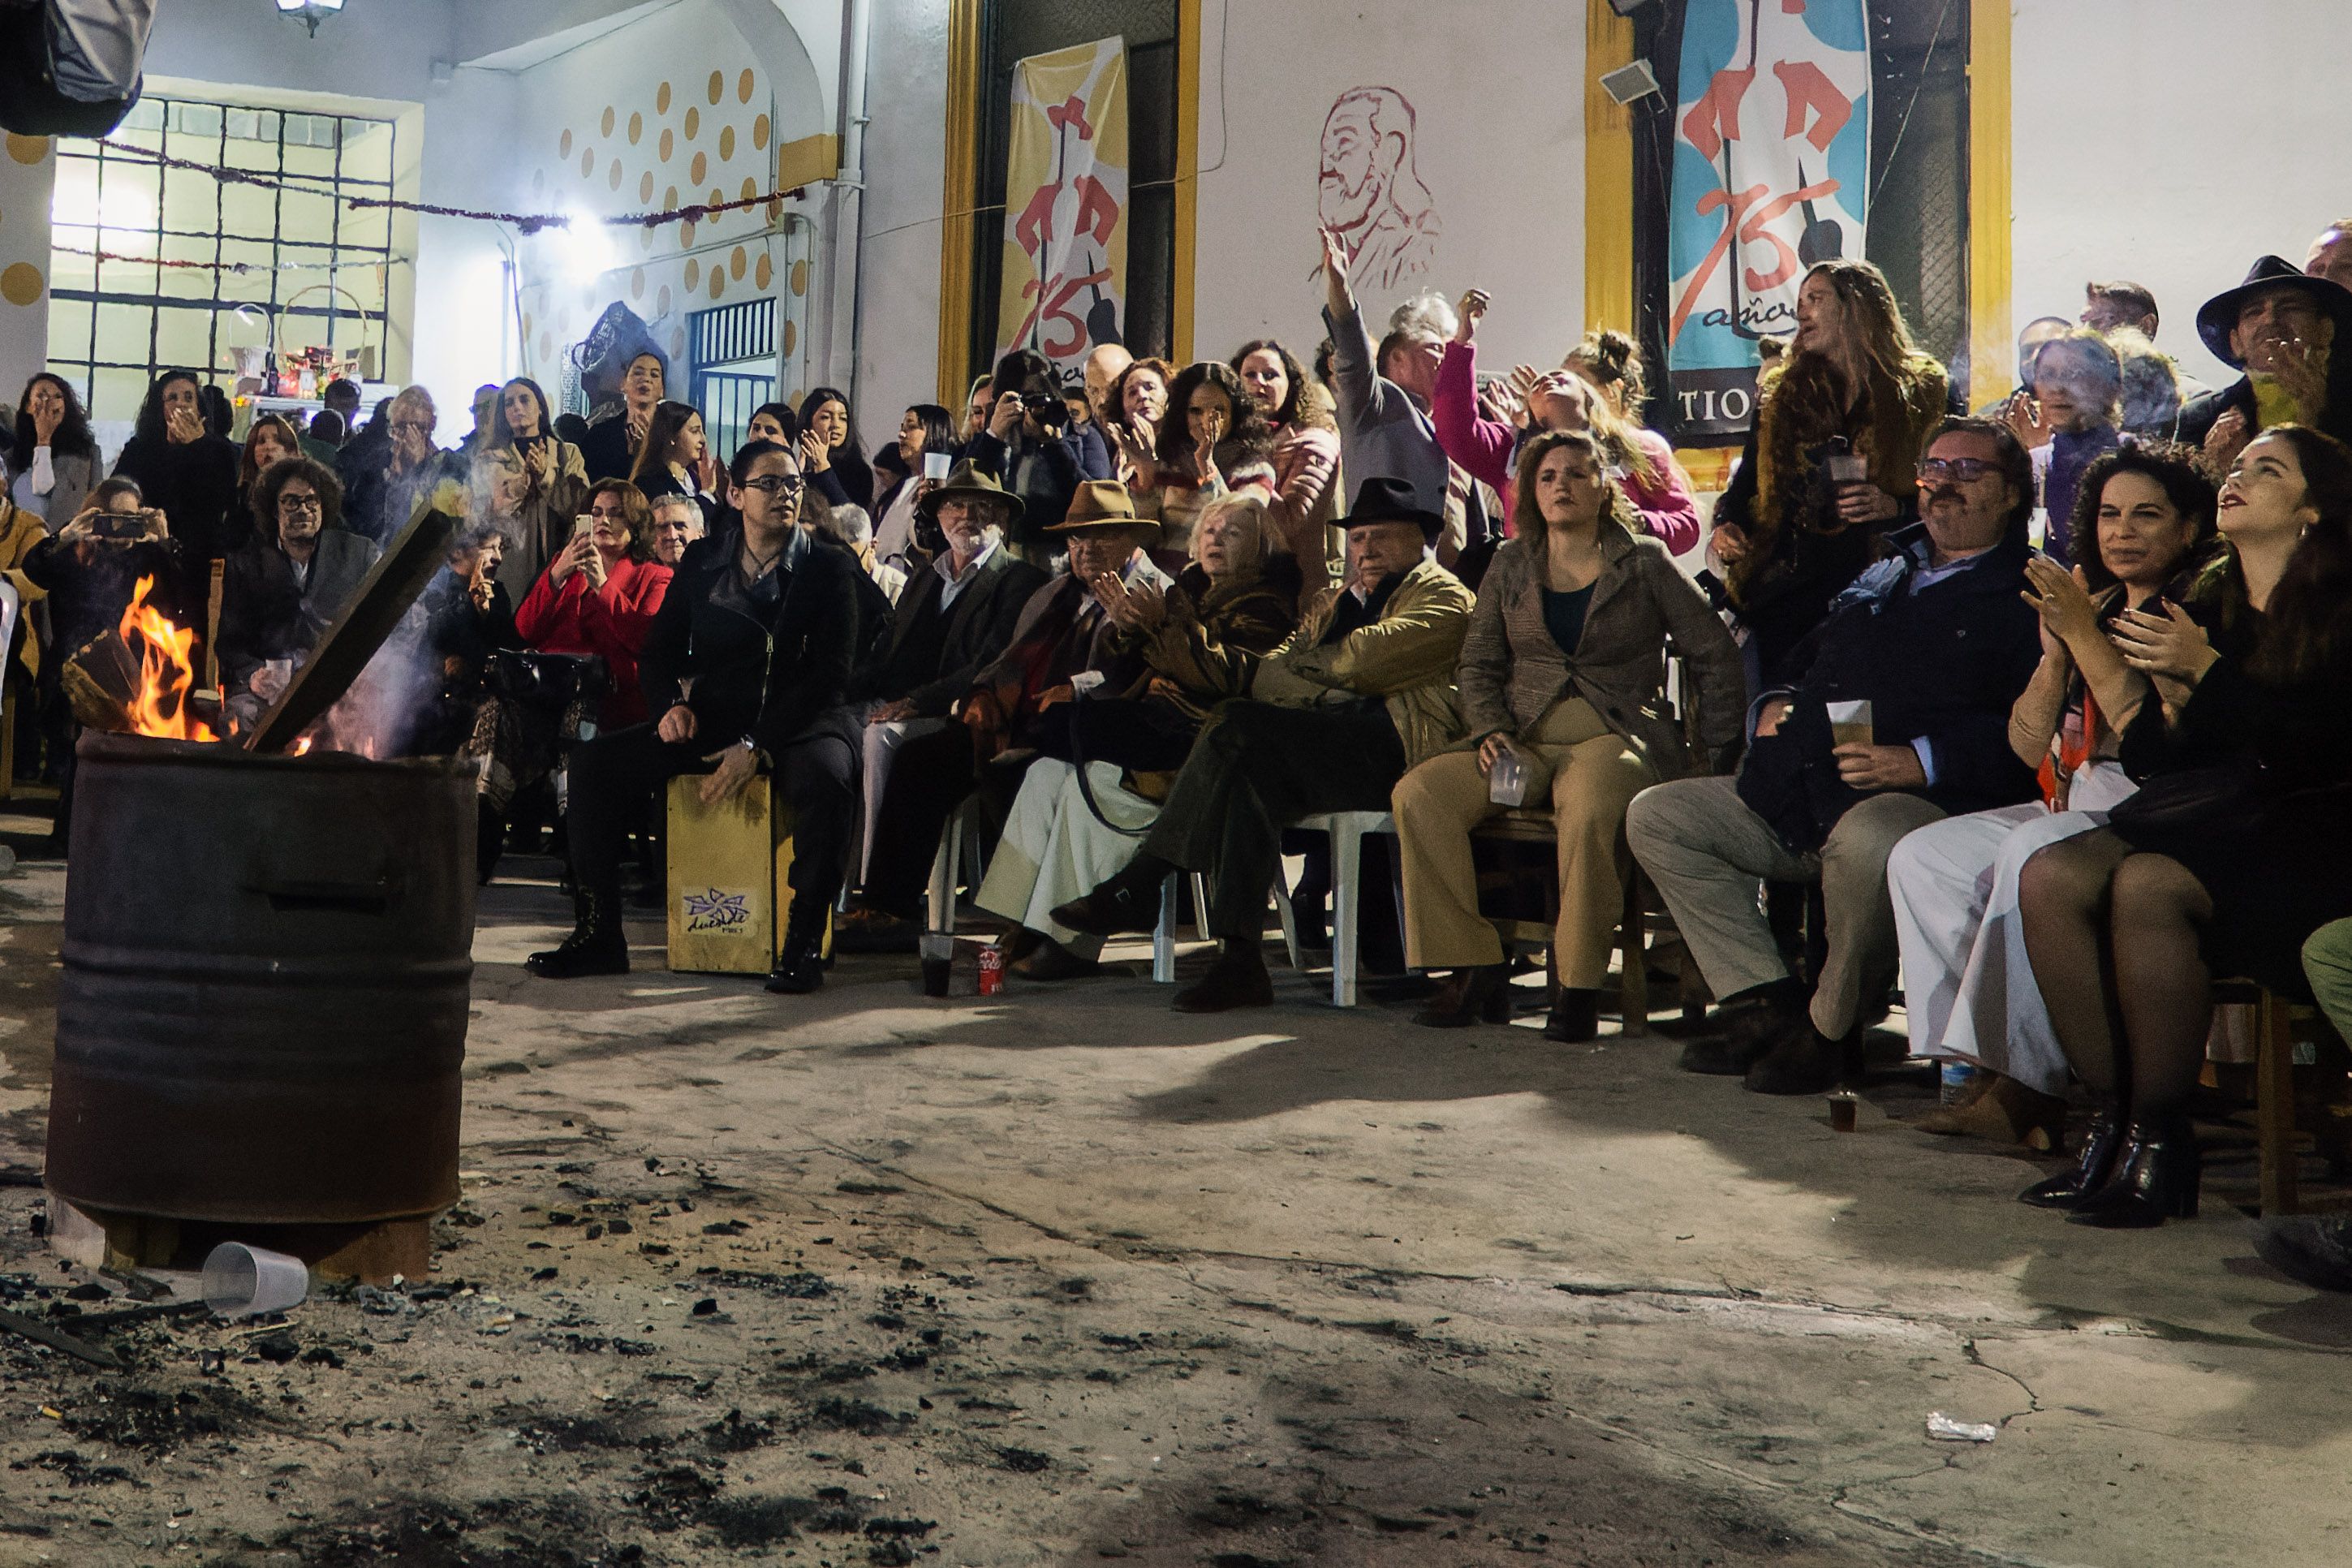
{"x": 370, "y": 1253}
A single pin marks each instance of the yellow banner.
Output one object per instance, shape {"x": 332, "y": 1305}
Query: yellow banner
{"x": 1065, "y": 206}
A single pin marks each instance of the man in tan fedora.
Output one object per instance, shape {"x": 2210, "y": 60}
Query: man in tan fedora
{"x": 1061, "y": 633}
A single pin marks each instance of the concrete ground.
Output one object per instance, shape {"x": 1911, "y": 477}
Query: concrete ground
{"x": 1064, "y": 1278}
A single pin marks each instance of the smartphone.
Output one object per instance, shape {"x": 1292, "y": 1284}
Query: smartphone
{"x": 119, "y": 525}
{"x": 583, "y": 525}
{"x": 937, "y": 464}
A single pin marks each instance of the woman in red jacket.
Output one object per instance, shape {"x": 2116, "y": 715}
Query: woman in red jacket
{"x": 599, "y": 595}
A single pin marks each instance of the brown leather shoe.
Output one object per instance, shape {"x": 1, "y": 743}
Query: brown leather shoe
{"x": 1463, "y": 1001}
{"x": 2003, "y": 1111}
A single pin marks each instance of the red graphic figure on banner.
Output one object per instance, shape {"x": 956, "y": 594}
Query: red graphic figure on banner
{"x": 1715, "y": 118}
{"x": 1809, "y": 87}
{"x": 1097, "y": 214}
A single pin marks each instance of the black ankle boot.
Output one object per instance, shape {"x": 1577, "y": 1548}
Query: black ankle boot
{"x": 1575, "y": 1016}
{"x": 800, "y": 967}
{"x": 2089, "y": 1173}
{"x": 2155, "y": 1179}
{"x": 1129, "y": 902}
{"x": 1465, "y": 997}
{"x": 1238, "y": 979}
{"x": 596, "y": 945}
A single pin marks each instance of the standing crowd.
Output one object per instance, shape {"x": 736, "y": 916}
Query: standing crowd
{"x": 2044, "y": 705}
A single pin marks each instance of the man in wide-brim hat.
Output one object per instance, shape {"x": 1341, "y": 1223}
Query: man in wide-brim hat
{"x": 1362, "y": 691}
{"x": 2291, "y": 334}
{"x": 1061, "y": 632}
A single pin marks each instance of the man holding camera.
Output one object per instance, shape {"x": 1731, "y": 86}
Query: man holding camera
{"x": 1031, "y": 448}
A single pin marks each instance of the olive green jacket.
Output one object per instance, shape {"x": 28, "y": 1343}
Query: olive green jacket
{"x": 1406, "y": 657}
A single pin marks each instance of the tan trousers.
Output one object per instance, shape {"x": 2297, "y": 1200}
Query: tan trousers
{"x": 1595, "y": 775}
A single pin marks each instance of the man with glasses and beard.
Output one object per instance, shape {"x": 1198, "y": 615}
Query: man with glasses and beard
{"x": 1930, "y": 647}
{"x": 744, "y": 669}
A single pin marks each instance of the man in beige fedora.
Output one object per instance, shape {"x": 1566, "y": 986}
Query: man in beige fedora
{"x": 1061, "y": 633}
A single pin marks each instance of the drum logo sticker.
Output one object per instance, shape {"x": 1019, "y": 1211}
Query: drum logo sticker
{"x": 713, "y": 911}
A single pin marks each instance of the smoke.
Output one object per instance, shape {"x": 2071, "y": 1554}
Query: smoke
{"x": 388, "y": 711}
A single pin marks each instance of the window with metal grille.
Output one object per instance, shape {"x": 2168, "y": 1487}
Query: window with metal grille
{"x": 732, "y": 350}
{"x": 155, "y": 266}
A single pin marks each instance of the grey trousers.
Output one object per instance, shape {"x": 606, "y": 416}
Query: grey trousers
{"x": 1709, "y": 855}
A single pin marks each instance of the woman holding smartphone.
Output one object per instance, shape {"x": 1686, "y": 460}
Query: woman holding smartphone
{"x": 599, "y": 595}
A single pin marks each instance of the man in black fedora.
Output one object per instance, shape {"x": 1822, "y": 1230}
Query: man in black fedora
{"x": 2280, "y": 327}
{"x": 1362, "y": 691}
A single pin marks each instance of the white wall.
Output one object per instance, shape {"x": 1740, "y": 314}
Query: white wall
{"x": 27, "y": 173}
{"x": 536, "y": 139}
{"x": 2171, "y": 142}
{"x": 906, "y": 168}
{"x": 1500, "y": 130}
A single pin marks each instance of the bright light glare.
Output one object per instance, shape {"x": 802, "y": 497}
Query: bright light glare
{"x": 310, "y": 5}
{"x": 585, "y": 247}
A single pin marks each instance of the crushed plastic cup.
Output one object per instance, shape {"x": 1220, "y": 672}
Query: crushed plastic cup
{"x": 1506, "y": 780}
{"x": 1943, "y": 1429}
{"x": 241, "y": 1281}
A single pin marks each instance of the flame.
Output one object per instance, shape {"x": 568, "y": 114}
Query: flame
{"x": 160, "y": 706}
{"x": 300, "y": 747}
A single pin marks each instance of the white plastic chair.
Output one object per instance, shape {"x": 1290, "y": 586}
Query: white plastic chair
{"x": 1347, "y": 830}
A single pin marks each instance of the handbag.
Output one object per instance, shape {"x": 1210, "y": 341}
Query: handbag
{"x": 2188, "y": 799}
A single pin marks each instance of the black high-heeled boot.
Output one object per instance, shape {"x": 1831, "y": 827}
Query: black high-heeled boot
{"x": 2157, "y": 1177}
{"x": 2089, "y": 1173}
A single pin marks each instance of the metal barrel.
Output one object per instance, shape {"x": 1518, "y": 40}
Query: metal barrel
{"x": 267, "y": 976}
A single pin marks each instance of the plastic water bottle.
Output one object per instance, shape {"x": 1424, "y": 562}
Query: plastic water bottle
{"x": 1959, "y": 1077}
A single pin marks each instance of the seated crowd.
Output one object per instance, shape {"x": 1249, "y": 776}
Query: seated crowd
{"x": 2046, "y": 706}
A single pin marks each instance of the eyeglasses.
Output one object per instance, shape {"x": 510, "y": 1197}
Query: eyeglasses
{"x": 773, "y": 485}
{"x": 1965, "y": 470}
{"x": 411, "y": 423}
{"x": 298, "y": 505}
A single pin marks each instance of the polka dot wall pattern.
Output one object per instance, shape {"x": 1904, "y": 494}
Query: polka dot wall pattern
{"x": 24, "y": 240}
{"x": 650, "y": 147}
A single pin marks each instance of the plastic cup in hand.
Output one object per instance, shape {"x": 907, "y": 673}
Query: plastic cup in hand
{"x": 938, "y": 963}
{"x": 241, "y": 1281}
{"x": 1849, "y": 468}
{"x": 1506, "y": 780}
{"x": 937, "y": 464}
{"x": 1850, "y": 724}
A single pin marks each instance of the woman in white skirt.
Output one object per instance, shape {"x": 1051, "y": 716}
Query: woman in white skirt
{"x": 1079, "y": 816}
{"x": 1967, "y": 988}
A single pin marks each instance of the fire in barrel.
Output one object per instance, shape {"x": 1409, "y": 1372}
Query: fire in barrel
{"x": 267, "y": 960}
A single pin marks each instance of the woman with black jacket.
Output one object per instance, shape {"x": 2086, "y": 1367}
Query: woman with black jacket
{"x": 831, "y": 454}
{"x": 184, "y": 471}
{"x": 747, "y": 662}
{"x": 2237, "y": 847}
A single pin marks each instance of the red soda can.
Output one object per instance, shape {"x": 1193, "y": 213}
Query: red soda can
{"x": 991, "y": 971}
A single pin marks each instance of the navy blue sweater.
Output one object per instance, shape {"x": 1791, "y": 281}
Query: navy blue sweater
{"x": 1944, "y": 663}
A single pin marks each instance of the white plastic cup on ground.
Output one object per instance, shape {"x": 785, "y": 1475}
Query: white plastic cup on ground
{"x": 243, "y": 1281}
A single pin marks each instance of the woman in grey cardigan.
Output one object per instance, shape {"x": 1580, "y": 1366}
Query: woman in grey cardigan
{"x": 1564, "y": 672}
{"x": 53, "y": 461}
